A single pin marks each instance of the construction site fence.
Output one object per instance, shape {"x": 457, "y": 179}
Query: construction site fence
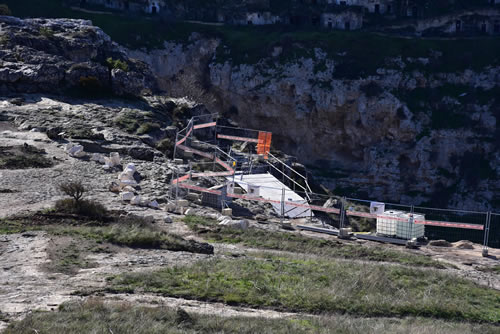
{"x": 388, "y": 219}
{"x": 407, "y": 220}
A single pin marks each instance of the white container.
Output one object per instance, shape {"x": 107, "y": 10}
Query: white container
{"x": 407, "y": 230}
{"x": 387, "y": 222}
{"x": 394, "y": 223}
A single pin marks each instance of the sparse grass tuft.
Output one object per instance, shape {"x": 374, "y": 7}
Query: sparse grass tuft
{"x": 85, "y": 208}
{"x": 147, "y": 128}
{"x": 22, "y": 157}
{"x": 303, "y": 284}
{"x": 68, "y": 258}
{"x": 293, "y": 242}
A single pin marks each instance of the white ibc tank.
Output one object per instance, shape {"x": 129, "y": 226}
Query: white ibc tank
{"x": 387, "y": 223}
{"x": 397, "y": 224}
{"x": 405, "y": 230}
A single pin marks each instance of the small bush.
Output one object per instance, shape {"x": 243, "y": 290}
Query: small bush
{"x": 129, "y": 121}
{"x": 147, "y": 128}
{"x": 85, "y": 208}
{"x": 5, "y": 10}
{"x": 23, "y": 156}
{"x": 117, "y": 64}
{"x": 166, "y": 146}
{"x": 73, "y": 189}
{"x": 46, "y": 32}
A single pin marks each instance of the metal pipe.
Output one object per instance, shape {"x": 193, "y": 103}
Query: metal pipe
{"x": 175, "y": 144}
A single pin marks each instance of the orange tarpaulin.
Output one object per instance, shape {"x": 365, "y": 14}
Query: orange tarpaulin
{"x": 264, "y": 143}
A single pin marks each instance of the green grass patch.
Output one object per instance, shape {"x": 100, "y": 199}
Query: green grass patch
{"x": 293, "y": 242}
{"x": 494, "y": 269}
{"x": 305, "y": 284}
{"x": 95, "y": 316}
{"x": 136, "y": 122}
{"x": 131, "y": 232}
{"x": 69, "y": 258}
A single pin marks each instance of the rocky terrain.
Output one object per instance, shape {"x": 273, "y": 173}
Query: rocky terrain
{"x": 39, "y": 55}
{"x": 414, "y": 129}
{"x": 49, "y": 257}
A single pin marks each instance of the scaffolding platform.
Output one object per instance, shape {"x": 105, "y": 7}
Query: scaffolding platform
{"x": 271, "y": 188}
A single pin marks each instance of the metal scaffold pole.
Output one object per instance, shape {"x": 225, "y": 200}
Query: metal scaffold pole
{"x": 410, "y": 223}
{"x": 486, "y": 234}
{"x": 342, "y": 212}
{"x": 175, "y": 144}
{"x": 282, "y": 204}
{"x": 176, "y": 187}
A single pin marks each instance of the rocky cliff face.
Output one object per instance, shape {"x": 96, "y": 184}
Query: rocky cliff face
{"x": 408, "y": 132}
{"x": 54, "y": 55}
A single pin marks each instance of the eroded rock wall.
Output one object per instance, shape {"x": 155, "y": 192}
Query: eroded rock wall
{"x": 401, "y": 134}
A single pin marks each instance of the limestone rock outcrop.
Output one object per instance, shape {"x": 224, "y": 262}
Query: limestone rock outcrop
{"x": 407, "y": 132}
{"x": 56, "y": 55}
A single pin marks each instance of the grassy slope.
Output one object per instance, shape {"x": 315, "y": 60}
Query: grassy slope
{"x": 124, "y": 232}
{"x": 94, "y": 316}
{"x": 322, "y": 286}
{"x": 293, "y": 242}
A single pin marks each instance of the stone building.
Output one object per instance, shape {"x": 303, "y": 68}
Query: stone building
{"x": 146, "y": 6}
{"x": 260, "y": 18}
{"x": 371, "y": 6}
{"x": 473, "y": 22}
{"x": 345, "y": 20}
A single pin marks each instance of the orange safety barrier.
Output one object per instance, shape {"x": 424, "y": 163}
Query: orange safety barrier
{"x": 264, "y": 143}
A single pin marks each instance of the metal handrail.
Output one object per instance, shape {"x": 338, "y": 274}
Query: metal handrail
{"x": 295, "y": 182}
{"x": 284, "y": 164}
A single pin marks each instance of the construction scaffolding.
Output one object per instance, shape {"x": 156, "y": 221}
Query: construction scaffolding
{"x": 255, "y": 176}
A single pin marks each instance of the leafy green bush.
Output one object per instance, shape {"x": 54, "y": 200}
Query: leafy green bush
{"x": 46, "y": 32}
{"x": 117, "y": 64}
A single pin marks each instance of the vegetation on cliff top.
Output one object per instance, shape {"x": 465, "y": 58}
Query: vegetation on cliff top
{"x": 357, "y": 53}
